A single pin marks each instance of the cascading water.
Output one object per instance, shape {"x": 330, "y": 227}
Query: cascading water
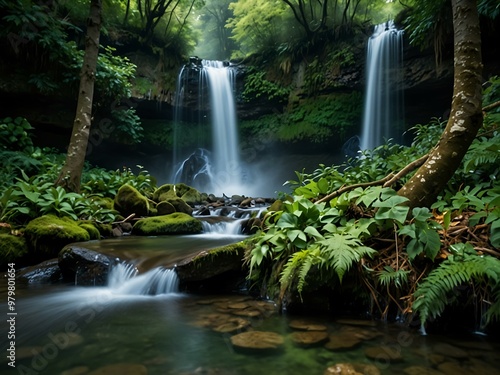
{"x": 383, "y": 114}
{"x": 219, "y": 170}
{"x": 123, "y": 280}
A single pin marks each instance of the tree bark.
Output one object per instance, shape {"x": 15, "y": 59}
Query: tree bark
{"x": 466, "y": 116}
{"x": 71, "y": 173}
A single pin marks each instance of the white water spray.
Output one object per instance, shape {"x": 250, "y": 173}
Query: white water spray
{"x": 383, "y": 104}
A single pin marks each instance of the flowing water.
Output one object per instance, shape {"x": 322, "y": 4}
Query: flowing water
{"x": 141, "y": 323}
{"x": 217, "y": 170}
{"x": 383, "y": 114}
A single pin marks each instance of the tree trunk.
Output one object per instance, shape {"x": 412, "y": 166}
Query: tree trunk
{"x": 71, "y": 173}
{"x": 466, "y": 116}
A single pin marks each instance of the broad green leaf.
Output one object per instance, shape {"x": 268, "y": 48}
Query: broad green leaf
{"x": 323, "y": 185}
{"x": 421, "y": 213}
{"x": 313, "y": 232}
{"x": 287, "y": 220}
{"x": 397, "y": 213}
{"x": 414, "y": 248}
{"x": 431, "y": 240}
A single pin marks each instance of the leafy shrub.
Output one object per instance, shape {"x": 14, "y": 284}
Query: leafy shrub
{"x": 14, "y": 135}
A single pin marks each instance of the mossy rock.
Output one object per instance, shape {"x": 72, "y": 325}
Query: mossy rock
{"x": 106, "y": 230}
{"x": 180, "y": 206}
{"x": 130, "y": 201}
{"x": 164, "y": 193}
{"x": 165, "y": 208}
{"x": 47, "y": 235}
{"x": 91, "y": 229}
{"x": 210, "y": 263}
{"x": 12, "y": 249}
{"x": 187, "y": 193}
{"x": 176, "y": 223}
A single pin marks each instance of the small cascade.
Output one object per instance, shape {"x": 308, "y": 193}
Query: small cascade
{"x": 124, "y": 280}
{"x": 223, "y": 227}
{"x": 383, "y": 114}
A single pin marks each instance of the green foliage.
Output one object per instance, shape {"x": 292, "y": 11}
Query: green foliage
{"x": 128, "y": 126}
{"x": 304, "y": 235}
{"x": 14, "y": 135}
{"x": 114, "y": 74}
{"x": 105, "y": 183}
{"x": 390, "y": 277}
{"x": 256, "y": 85}
{"x": 464, "y": 267}
{"x": 423, "y": 233}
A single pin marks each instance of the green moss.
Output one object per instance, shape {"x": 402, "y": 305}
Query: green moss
{"x": 47, "y": 235}
{"x": 129, "y": 201}
{"x": 91, "y": 229}
{"x": 238, "y": 248}
{"x": 168, "y": 192}
{"x": 106, "y": 230}
{"x": 164, "y": 192}
{"x": 176, "y": 223}
{"x": 165, "y": 208}
{"x": 12, "y": 249}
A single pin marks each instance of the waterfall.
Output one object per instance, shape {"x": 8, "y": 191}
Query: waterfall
{"x": 218, "y": 170}
{"x": 124, "y": 280}
{"x": 383, "y": 114}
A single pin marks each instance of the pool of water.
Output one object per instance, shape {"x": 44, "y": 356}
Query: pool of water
{"x": 68, "y": 330}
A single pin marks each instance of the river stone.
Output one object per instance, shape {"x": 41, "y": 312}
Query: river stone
{"x": 84, "y": 266}
{"x": 306, "y": 325}
{"x": 257, "y": 341}
{"x": 383, "y": 353}
{"x": 309, "y": 338}
{"x": 357, "y": 322}
{"x": 121, "y": 369}
{"x": 248, "y": 313}
{"x": 342, "y": 341}
{"x": 211, "y": 320}
{"x": 43, "y": 273}
{"x": 421, "y": 370}
{"x": 449, "y": 350}
{"x": 232, "y": 325}
{"x": 341, "y": 369}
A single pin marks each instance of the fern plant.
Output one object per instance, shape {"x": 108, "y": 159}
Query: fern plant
{"x": 464, "y": 266}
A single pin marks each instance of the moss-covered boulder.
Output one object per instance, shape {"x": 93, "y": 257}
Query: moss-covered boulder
{"x": 164, "y": 192}
{"x": 180, "y": 206}
{"x": 47, "y": 235}
{"x": 213, "y": 262}
{"x": 187, "y": 193}
{"x": 165, "y": 208}
{"x": 12, "y": 249}
{"x": 176, "y": 223}
{"x": 91, "y": 229}
{"x": 129, "y": 200}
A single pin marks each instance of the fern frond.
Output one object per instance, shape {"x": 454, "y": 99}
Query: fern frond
{"x": 434, "y": 293}
{"x": 342, "y": 250}
{"x": 389, "y": 276}
{"x": 299, "y": 265}
{"x": 482, "y": 152}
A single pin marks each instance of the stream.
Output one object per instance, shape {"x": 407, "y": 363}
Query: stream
{"x": 141, "y": 324}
